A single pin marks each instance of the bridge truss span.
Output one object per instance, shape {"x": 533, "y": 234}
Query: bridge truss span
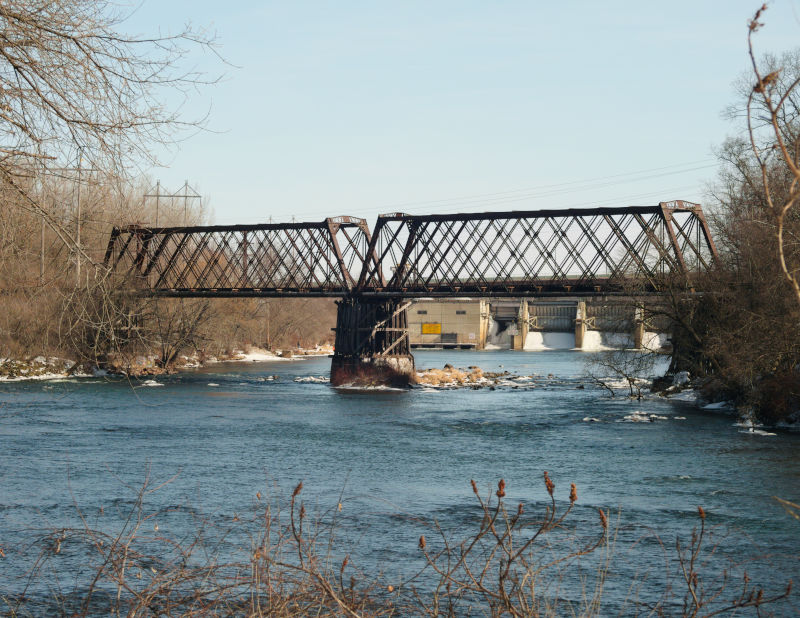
{"x": 627, "y": 251}
{"x": 277, "y": 259}
{"x": 594, "y": 251}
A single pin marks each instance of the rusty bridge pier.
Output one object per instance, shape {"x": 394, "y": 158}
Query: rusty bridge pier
{"x": 372, "y": 344}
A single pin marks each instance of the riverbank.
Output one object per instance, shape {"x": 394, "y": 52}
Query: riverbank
{"x": 141, "y": 366}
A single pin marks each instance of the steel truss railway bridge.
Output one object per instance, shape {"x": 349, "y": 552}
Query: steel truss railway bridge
{"x": 602, "y": 252}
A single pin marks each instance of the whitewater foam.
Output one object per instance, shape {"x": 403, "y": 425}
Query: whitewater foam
{"x": 598, "y": 341}
{"x": 538, "y": 340}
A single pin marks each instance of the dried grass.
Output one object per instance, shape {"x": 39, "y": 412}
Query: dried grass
{"x": 450, "y": 376}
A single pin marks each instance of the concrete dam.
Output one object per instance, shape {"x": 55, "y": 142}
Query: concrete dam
{"x": 530, "y": 324}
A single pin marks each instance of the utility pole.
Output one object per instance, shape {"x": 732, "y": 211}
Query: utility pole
{"x": 78, "y": 223}
{"x": 186, "y": 192}
{"x": 78, "y": 215}
{"x": 41, "y": 256}
{"x": 194, "y": 195}
{"x": 269, "y": 333}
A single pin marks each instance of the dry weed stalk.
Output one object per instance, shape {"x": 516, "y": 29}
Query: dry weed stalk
{"x": 701, "y": 599}
{"x": 286, "y": 567}
{"x": 499, "y": 570}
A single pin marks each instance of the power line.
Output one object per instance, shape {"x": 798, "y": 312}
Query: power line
{"x": 617, "y": 200}
{"x": 569, "y": 183}
{"x": 542, "y": 191}
{"x": 578, "y": 189}
{"x": 186, "y": 196}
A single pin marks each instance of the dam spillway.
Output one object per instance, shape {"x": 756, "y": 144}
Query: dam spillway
{"x": 533, "y": 324}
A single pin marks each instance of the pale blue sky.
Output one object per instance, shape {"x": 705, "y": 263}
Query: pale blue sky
{"x": 443, "y": 106}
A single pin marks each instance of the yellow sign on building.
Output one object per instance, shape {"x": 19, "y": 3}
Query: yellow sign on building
{"x": 431, "y": 328}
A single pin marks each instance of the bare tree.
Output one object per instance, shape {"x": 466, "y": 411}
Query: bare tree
{"x": 75, "y": 91}
{"x": 632, "y": 368}
{"x": 83, "y": 106}
{"x": 176, "y": 324}
{"x": 772, "y": 112}
{"x": 741, "y": 333}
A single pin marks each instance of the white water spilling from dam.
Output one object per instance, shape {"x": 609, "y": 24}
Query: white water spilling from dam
{"x": 593, "y": 341}
{"x": 538, "y": 340}
{"x": 497, "y": 339}
{"x": 655, "y": 341}
{"x": 597, "y": 341}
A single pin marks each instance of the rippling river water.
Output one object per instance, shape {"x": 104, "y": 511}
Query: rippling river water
{"x": 399, "y": 460}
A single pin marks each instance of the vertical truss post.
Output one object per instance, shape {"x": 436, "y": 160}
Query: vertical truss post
{"x": 698, "y": 212}
{"x": 371, "y": 255}
{"x": 372, "y": 273}
{"x": 673, "y": 239}
{"x": 333, "y": 228}
{"x": 112, "y": 241}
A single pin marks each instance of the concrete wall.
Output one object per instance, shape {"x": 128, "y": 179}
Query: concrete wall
{"x": 459, "y": 322}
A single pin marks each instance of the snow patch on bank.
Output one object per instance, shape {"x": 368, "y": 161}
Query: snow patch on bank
{"x": 726, "y": 406}
{"x": 688, "y": 395}
{"x": 313, "y": 379}
{"x": 257, "y": 355}
{"x": 40, "y": 368}
{"x": 260, "y": 355}
{"x": 41, "y": 376}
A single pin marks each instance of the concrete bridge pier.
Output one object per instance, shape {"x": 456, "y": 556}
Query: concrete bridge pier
{"x": 372, "y": 345}
{"x": 580, "y": 324}
{"x": 483, "y": 325}
{"x": 518, "y": 340}
{"x": 638, "y": 327}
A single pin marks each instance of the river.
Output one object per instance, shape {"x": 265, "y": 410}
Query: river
{"x": 397, "y": 461}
